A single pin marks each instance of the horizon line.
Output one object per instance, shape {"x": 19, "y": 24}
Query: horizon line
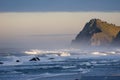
{"x": 60, "y": 11}
{"x": 57, "y": 11}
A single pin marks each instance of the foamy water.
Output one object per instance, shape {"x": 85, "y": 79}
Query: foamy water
{"x": 55, "y": 63}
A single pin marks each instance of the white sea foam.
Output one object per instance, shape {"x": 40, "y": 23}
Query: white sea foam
{"x": 40, "y": 52}
{"x": 50, "y": 56}
{"x": 99, "y": 53}
{"x": 67, "y": 67}
{"x": 83, "y": 71}
{"x": 25, "y": 60}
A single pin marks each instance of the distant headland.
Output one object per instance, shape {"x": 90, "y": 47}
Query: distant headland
{"x": 98, "y": 33}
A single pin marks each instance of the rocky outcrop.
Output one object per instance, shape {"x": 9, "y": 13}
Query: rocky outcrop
{"x": 35, "y": 59}
{"x": 98, "y": 33}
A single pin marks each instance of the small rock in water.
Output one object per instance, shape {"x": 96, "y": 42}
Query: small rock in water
{"x": 35, "y": 59}
{"x": 1, "y": 62}
{"x": 17, "y": 60}
{"x": 51, "y": 58}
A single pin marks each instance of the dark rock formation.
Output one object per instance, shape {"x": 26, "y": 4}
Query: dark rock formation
{"x": 51, "y": 58}
{"x": 35, "y": 59}
{"x": 1, "y": 62}
{"x": 17, "y": 60}
{"x": 98, "y": 33}
{"x": 85, "y": 35}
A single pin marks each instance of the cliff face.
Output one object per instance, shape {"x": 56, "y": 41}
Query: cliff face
{"x": 116, "y": 40}
{"x": 98, "y": 33}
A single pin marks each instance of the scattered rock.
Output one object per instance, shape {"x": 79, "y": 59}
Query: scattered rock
{"x": 1, "y": 62}
{"x": 17, "y": 60}
{"x": 51, "y": 58}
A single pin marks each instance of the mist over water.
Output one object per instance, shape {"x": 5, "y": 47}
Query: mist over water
{"x": 18, "y": 44}
{"x": 51, "y": 57}
{"x": 38, "y": 41}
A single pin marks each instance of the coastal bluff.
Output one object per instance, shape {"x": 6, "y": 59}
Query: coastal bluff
{"x": 98, "y": 33}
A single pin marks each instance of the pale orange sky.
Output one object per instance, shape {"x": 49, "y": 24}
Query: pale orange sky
{"x": 35, "y": 23}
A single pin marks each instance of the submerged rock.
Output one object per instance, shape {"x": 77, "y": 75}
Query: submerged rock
{"x": 51, "y": 58}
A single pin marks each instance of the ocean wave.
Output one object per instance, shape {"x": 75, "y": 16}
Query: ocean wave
{"x": 105, "y": 53}
{"x": 51, "y": 56}
{"x": 30, "y": 60}
{"x": 50, "y": 75}
{"x": 99, "y": 53}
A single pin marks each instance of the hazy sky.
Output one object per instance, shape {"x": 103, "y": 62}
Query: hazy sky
{"x": 35, "y": 17}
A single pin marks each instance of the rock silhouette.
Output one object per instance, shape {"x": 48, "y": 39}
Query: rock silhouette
{"x": 35, "y": 59}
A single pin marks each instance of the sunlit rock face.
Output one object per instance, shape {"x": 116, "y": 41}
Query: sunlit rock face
{"x": 99, "y": 39}
{"x": 98, "y": 33}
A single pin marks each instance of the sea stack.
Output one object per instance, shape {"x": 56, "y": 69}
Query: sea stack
{"x": 98, "y": 33}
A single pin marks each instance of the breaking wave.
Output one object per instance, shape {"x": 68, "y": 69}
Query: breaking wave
{"x": 36, "y": 63}
{"x": 41, "y": 52}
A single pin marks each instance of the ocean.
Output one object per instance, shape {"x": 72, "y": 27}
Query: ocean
{"x": 52, "y": 58}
